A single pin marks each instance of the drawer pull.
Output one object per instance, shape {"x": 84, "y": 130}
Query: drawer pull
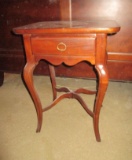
{"x": 61, "y": 46}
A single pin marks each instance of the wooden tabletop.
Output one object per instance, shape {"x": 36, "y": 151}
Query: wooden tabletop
{"x": 82, "y": 27}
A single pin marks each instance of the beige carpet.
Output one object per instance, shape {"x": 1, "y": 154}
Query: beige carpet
{"x": 67, "y": 131}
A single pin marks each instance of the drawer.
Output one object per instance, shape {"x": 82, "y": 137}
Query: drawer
{"x": 74, "y": 46}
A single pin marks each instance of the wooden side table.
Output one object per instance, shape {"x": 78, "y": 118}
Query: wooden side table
{"x": 68, "y": 42}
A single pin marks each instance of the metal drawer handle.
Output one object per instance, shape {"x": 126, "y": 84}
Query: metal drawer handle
{"x": 61, "y": 46}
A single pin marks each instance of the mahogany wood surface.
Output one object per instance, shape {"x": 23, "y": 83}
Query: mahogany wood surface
{"x": 17, "y": 13}
{"x": 68, "y": 42}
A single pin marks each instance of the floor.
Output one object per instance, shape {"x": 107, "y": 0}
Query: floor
{"x": 67, "y": 131}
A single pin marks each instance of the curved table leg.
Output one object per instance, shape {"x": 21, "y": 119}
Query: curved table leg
{"x": 102, "y": 87}
{"x": 53, "y": 81}
{"x": 28, "y": 78}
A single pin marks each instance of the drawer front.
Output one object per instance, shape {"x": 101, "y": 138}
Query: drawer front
{"x": 74, "y": 46}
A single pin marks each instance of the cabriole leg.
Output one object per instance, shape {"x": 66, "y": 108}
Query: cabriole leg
{"x": 28, "y": 78}
{"x": 102, "y": 87}
{"x": 53, "y": 81}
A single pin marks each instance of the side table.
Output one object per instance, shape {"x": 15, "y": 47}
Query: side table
{"x": 68, "y": 42}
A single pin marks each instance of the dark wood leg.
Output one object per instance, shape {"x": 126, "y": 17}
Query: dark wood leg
{"x": 1, "y": 78}
{"x": 53, "y": 82}
{"x": 28, "y": 78}
{"x": 102, "y": 87}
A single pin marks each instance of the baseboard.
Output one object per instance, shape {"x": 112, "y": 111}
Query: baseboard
{"x": 119, "y": 66}
{"x": 119, "y": 56}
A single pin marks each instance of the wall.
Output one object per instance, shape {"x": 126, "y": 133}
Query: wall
{"x": 20, "y": 12}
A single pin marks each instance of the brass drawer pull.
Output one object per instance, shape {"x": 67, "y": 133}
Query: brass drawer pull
{"x": 61, "y": 46}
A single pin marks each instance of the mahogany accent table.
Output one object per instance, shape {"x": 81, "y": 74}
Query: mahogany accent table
{"x": 68, "y": 42}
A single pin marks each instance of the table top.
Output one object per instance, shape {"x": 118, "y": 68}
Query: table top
{"x": 80, "y": 27}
